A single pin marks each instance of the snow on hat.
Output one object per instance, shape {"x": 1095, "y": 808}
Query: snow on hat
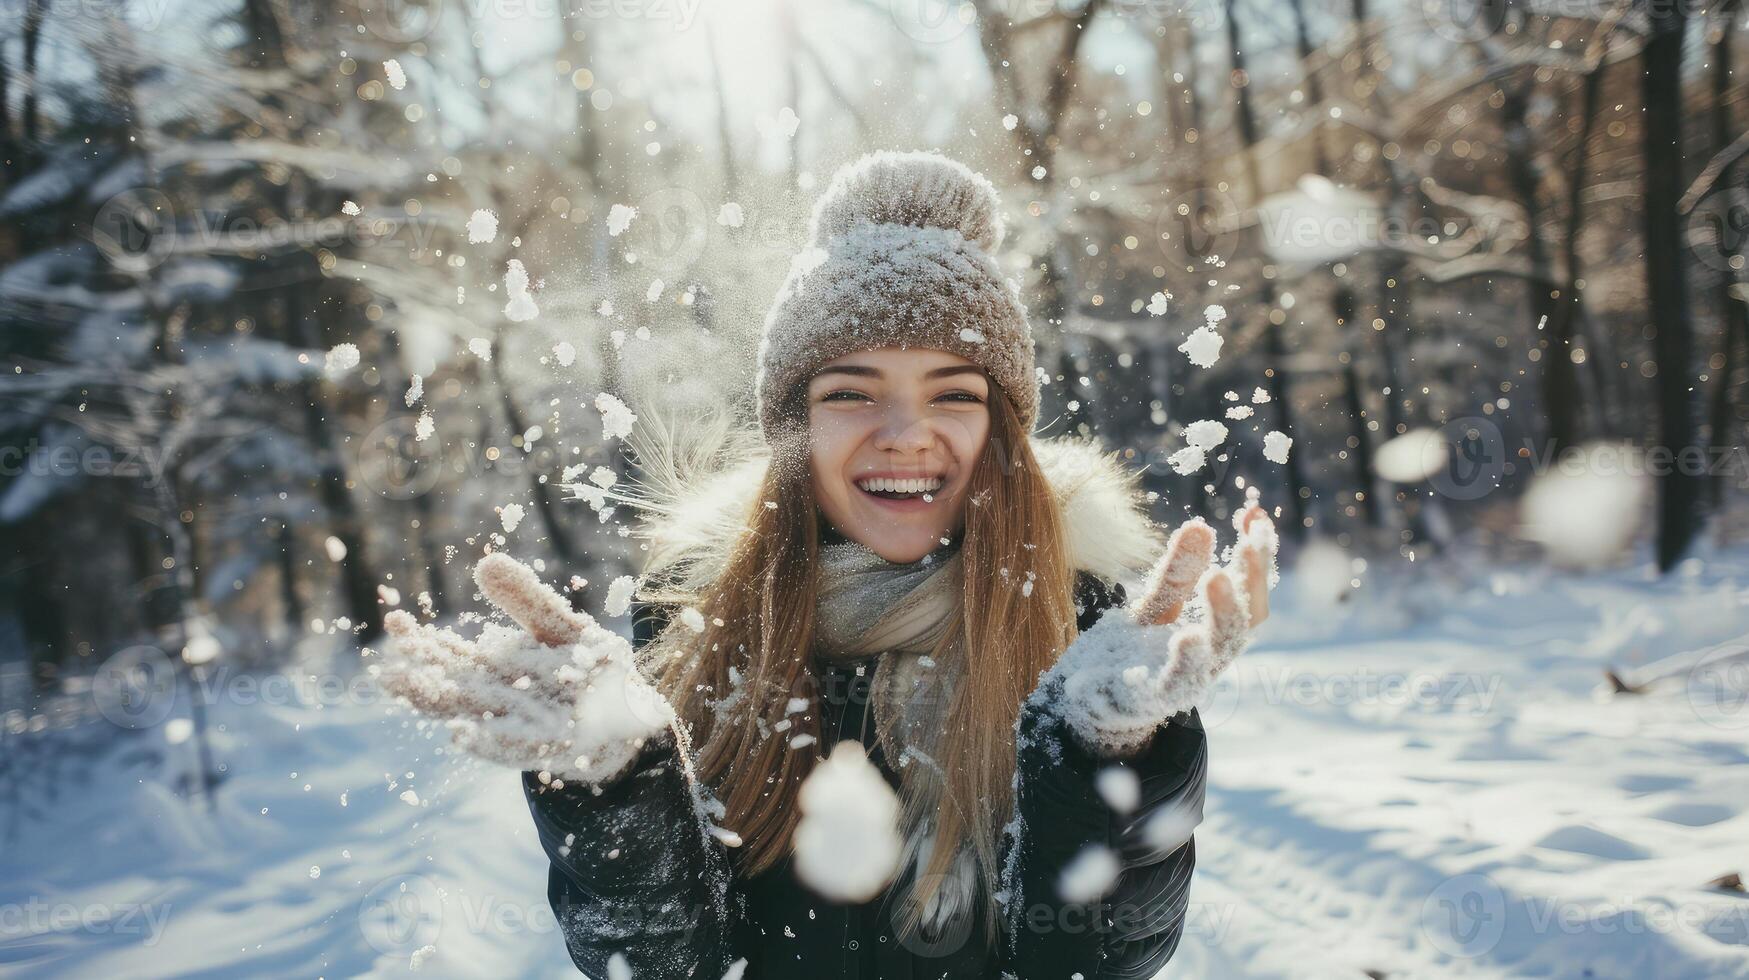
{"x": 900, "y": 256}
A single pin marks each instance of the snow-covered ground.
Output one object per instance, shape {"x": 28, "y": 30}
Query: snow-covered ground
{"x": 1423, "y": 781}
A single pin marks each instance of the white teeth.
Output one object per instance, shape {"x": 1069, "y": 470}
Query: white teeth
{"x": 902, "y": 486}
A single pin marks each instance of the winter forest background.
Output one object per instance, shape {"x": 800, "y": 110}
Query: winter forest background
{"x": 308, "y": 303}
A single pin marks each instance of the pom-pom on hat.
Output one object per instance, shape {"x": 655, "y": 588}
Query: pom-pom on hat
{"x": 900, "y": 256}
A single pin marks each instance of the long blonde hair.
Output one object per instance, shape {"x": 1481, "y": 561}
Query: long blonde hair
{"x": 732, "y": 682}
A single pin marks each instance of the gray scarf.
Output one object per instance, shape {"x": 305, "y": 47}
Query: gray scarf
{"x": 868, "y": 607}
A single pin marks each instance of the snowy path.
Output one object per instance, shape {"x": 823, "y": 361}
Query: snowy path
{"x": 1492, "y": 814}
{"x": 1507, "y": 820}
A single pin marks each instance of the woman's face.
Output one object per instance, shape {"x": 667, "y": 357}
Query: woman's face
{"x": 893, "y": 437}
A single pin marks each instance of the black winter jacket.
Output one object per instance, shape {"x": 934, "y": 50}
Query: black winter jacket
{"x": 634, "y": 874}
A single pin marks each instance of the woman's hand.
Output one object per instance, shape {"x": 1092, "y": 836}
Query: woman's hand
{"x": 559, "y": 695}
{"x": 1235, "y": 597}
{"x": 1136, "y": 667}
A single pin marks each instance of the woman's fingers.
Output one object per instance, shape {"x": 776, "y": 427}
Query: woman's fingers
{"x": 1174, "y": 576}
{"x": 518, "y": 591}
{"x": 1229, "y": 621}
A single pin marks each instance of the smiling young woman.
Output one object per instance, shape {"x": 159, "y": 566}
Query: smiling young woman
{"x": 898, "y": 564}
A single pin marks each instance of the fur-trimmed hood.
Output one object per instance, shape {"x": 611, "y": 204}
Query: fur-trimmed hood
{"x": 700, "y": 477}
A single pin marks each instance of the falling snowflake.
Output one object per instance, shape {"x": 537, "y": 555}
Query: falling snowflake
{"x": 606, "y": 308}
{"x": 397, "y": 76}
{"x": 341, "y": 359}
{"x": 1203, "y": 347}
{"x": 1187, "y": 460}
{"x": 787, "y": 122}
{"x": 415, "y": 390}
{"x": 730, "y": 216}
{"x": 510, "y": 515}
{"x": 521, "y": 305}
{"x": 654, "y": 292}
{"x": 1038, "y": 173}
{"x": 1259, "y": 396}
{"x": 616, "y": 418}
{"x": 482, "y": 227}
{"x": 349, "y": 208}
{"x": 1010, "y": 121}
{"x": 564, "y": 353}
{"x": 619, "y": 595}
{"x": 1275, "y": 447}
{"x": 481, "y": 348}
{"x": 1157, "y": 304}
{"x": 425, "y": 427}
{"x": 1240, "y": 412}
{"x": 1205, "y": 434}
{"x": 619, "y": 218}
{"x": 1214, "y": 314}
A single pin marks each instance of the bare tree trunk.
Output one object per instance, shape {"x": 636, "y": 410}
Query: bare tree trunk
{"x": 1735, "y": 325}
{"x": 1565, "y": 326}
{"x": 1680, "y": 493}
{"x": 1560, "y": 388}
{"x": 557, "y": 537}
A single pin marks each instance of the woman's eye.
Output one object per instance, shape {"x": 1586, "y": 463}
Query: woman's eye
{"x": 844, "y": 392}
{"x": 964, "y": 396}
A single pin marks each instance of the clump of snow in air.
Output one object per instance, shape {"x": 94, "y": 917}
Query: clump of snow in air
{"x": 1259, "y": 396}
{"x": 410, "y": 798}
{"x": 341, "y": 359}
{"x": 481, "y": 348}
{"x": 349, "y": 208}
{"x": 847, "y": 843}
{"x": 619, "y": 218}
{"x": 654, "y": 292}
{"x": 521, "y": 305}
{"x": 1010, "y": 121}
{"x": 335, "y": 548}
{"x": 1187, "y": 460}
{"x": 1586, "y": 509}
{"x": 425, "y": 427}
{"x": 606, "y": 308}
{"x": 616, "y": 418}
{"x": 1089, "y": 875}
{"x": 1119, "y": 788}
{"x": 619, "y": 595}
{"x": 397, "y": 75}
{"x": 730, "y": 215}
{"x": 482, "y": 227}
{"x": 1038, "y": 173}
{"x": 1239, "y": 413}
{"x": 1203, "y": 346}
{"x": 736, "y": 970}
{"x": 1411, "y": 457}
{"x": 1276, "y": 446}
{"x": 510, "y": 515}
{"x": 787, "y": 122}
{"x": 415, "y": 390}
{"x": 1167, "y": 828}
{"x": 564, "y": 353}
{"x": 971, "y": 336}
{"x": 178, "y": 730}
{"x": 202, "y": 647}
{"x": 1205, "y": 434}
{"x": 1157, "y": 304}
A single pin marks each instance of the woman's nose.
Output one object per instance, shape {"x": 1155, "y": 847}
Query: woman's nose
{"x": 906, "y": 432}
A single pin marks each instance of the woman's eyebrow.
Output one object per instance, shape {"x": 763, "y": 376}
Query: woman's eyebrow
{"x": 864, "y": 371}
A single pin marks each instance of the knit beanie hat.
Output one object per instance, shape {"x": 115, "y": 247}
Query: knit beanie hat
{"x": 899, "y": 256}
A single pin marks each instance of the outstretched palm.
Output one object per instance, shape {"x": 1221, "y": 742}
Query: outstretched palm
{"x": 558, "y": 695}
